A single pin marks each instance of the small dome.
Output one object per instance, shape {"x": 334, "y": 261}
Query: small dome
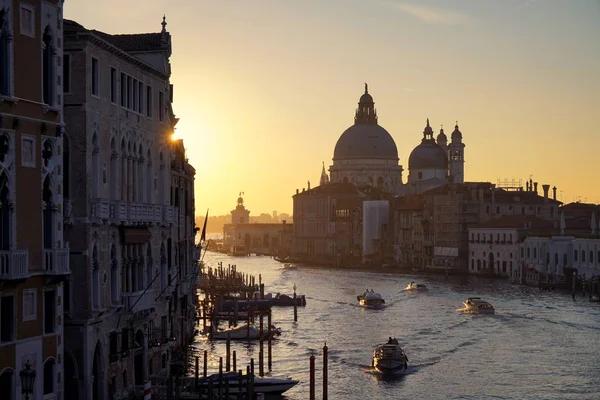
{"x": 457, "y": 134}
{"x": 428, "y": 155}
{"x": 442, "y": 136}
{"x": 365, "y": 141}
{"x": 366, "y": 98}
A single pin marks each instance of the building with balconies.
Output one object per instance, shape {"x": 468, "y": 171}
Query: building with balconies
{"x": 34, "y": 258}
{"x": 118, "y": 153}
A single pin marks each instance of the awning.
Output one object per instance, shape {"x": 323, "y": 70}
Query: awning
{"x": 135, "y": 235}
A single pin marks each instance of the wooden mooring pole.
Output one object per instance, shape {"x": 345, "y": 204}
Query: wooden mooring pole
{"x": 312, "y": 377}
{"x": 325, "y": 383}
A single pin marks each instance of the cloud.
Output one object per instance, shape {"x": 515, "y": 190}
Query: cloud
{"x": 430, "y": 14}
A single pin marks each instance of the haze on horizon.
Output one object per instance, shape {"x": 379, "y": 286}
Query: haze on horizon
{"x": 265, "y": 88}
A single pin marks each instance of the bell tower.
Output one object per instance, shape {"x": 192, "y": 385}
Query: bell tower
{"x": 240, "y": 215}
{"x": 456, "y": 157}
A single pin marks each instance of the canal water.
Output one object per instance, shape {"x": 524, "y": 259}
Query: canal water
{"x": 538, "y": 345}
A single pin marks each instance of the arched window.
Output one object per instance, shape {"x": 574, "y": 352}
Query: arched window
{"x": 149, "y": 272}
{"x": 114, "y": 276}
{"x": 141, "y": 170}
{"x": 123, "y": 170}
{"x": 5, "y": 225}
{"x": 49, "y": 376}
{"x": 5, "y": 56}
{"x": 7, "y": 383}
{"x": 114, "y": 170}
{"x": 66, "y": 167}
{"x": 163, "y": 267}
{"x": 95, "y": 167}
{"x": 380, "y": 182}
{"x": 149, "y": 176}
{"x": 95, "y": 279}
{"x": 48, "y": 67}
{"x": 48, "y": 213}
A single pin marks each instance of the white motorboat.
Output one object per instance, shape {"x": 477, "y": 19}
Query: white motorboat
{"x": 370, "y": 299}
{"x": 272, "y": 386}
{"x": 289, "y": 266}
{"x": 419, "y": 287}
{"x": 390, "y": 358}
{"x": 475, "y": 305}
{"x": 242, "y": 332}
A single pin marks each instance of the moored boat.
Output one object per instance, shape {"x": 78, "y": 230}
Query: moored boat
{"x": 274, "y": 386}
{"x": 419, "y": 287}
{"x": 289, "y": 266}
{"x": 389, "y": 358}
{"x": 370, "y": 299}
{"x": 243, "y": 332}
{"x": 475, "y": 305}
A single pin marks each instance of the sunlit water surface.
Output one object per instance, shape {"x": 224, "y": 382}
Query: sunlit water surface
{"x": 538, "y": 345}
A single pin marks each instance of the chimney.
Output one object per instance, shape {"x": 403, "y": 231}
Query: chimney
{"x": 535, "y": 187}
{"x": 554, "y": 192}
{"x": 297, "y": 191}
{"x": 308, "y": 185}
{"x": 546, "y": 188}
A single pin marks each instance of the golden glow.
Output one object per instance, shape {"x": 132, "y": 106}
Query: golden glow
{"x": 263, "y": 104}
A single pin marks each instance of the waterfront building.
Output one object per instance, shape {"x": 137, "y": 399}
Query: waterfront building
{"x": 328, "y": 222}
{"x": 241, "y": 237}
{"x": 121, "y": 327}
{"x": 448, "y": 211}
{"x": 34, "y": 257}
{"x": 494, "y": 244}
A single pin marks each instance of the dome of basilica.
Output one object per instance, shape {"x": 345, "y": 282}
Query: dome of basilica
{"x": 365, "y": 139}
{"x": 428, "y": 155}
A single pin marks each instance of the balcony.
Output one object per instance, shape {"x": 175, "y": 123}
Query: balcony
{"x": 14, "y": 264}
{"x": 146, "y": 301}
{"x": 119, "y": 211}
{"x": 100, "y": 209}
{"x": 56, "y": 261}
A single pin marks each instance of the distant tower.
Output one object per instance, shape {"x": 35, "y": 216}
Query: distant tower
{"x": 456, "y": 157}
{"x": 442, "y": 140}
{"x": 240, "y": 215}
{"x": 324, "y": 177}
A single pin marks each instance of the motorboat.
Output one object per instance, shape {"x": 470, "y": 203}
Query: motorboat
{"x": 243, "y": 332}
{"x": 389, "y": 358}
{"x": 475, "y": 305}
{"x": 419, "y": 287}
{"x": 283, "y": 300}
{"x": 595, "y": 299}
{"x": 289, "y": 266}
{"x": 271, "y": 386}
{"x": 370, "y": 299}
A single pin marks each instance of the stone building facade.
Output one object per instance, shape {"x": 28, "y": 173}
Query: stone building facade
{"x": 121, "y": 326}
{"x": 34, "y": 258}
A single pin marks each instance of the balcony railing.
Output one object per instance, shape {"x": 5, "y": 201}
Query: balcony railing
{"x": 56, "y": 261}
{"x": 146, "y": 300}
{"x": 119, "y": 211}
{"x": 100, "y": 209}
{"x": 14, "y": 264}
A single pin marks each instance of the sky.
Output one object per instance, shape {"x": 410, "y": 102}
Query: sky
{"x": 264, "y": 88}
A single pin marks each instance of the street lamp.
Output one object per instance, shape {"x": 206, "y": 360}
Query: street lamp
{"x": 27, "y": 376}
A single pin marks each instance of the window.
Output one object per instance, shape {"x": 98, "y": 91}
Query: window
{"x": 113, "y": 85}
{"x": 163, "y": 327}
{"x": 148, "y": 102}
{"x": 161, "y": 106}
{"x": 582, "y": 256}
{"x": 27, "y": 20}
{"x": 575, "y": 255}
{"x": 7, "y": 319}
{"x": 420, "y": 175}
{"x": 66, "y": 73}
{"x": 123, "y": 90}
{"x": 29, "y": 305}
{"x": 5, "y": 61}
{"x": 125, "y": 342}
{"x": 135, "y": 94}
{"x": 7, "y": 383}
{"x": 28, "y": 155}
{"x": 48, "y": 68}
{"x": 95, "y": 77}
{"x": 49, "y": 311}
{"x": 140, "y": 97}
{"x": 49, "y": 378}
{"x": 129, "y": 89}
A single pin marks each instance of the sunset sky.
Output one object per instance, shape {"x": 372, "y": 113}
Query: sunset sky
{"x": 264, "y": 88}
